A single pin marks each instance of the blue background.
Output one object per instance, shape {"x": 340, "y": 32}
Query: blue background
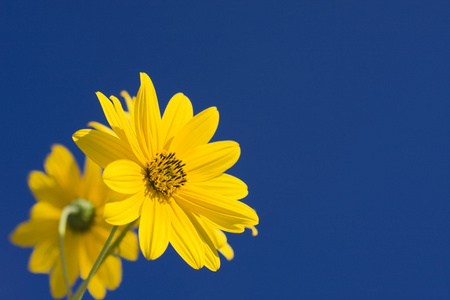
{"x": 341, "y": 111}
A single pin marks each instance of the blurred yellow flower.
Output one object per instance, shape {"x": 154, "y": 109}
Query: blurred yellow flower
{"x": 174, "y": 177}
{"x": 60, "y": 186}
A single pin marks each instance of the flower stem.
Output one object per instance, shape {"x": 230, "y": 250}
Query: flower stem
{"x": 101, "y": 257}
{"x": 62, "y": 232}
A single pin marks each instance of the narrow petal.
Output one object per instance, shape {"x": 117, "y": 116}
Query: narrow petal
{"x": 32, "y": 232}
{"x": 125, "y": 211}
{"x": 96, "y": 287}
{"x": 71, "y": 241}
{"x": 102, "y": 127}
{"x": 102, "y": 147}
{"x": 110, "y": 272}
{"x": 128, "y": 248}
{"x": 219, "y": 240}
{"x": 44, "y": 256}
{"x": 93, "y": 188}
{"x": 124, "y": 176}
{"x": 211, "y": 160}
{"x": 47, "y": 189}
{"x": 61, "y": 165}
{"x": 85, "y": 261}
{"x": 185, "y": 239}
{"x": 212, "y": 260}
{"x": 225, "y": 214}
{"x": 198, "y": 131}
{"x": 147, "y": 118}
{"x": 57, "y": 284}
{"x": 154, "y": 228}
{"x": 178, "y": 112}
{"x": 225, "y": 185}
{"x": 45, "y": 211}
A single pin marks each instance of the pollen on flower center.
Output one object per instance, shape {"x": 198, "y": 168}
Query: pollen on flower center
{"x": 165, "y": 174}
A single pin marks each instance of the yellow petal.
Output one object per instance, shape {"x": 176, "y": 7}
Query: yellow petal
{"x": 225, "y": 185}
{"x": 124, "y": 211}
{"x": 101, "y": 147}
{"x": 227, "y": 251}
{"x": 178, "y": 112}
{"x": 96, "y": 288}
{"x": 185, "y": 239}
{"x": 61, "y": 165}
{"x": 212, "y": 260}
{"x": 127, "y": 133}
{"x": 93, "y": 187}
{"x": 85, "y": 260}
{"x": 46, "y": 189}
{"x": 45, "y": 211}
{"x": 198, "y": 131}
{"x": 71, "y": 241}
{"x": 57, "y": 284}
{"x": 225, "y": 214}
{"x": 128, "y": 248}
{"x": 44, "y": 256}
{"x": 124, "y": 176}
{"x": 102, "y": 127}
{"x": 211, "y": 160}
{"x": 219, "y": 240}
{"x": 32, "y": 232}
{"x": 110, "y": 272}
{"x": 147, "y": 118}
{"x": 154, "y": 228}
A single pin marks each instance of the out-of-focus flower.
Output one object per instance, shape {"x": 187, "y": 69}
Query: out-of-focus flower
{"x": 86, "y": 231}
{"x": 174, "y": 177}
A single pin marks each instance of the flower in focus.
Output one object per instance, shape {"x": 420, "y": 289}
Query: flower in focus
{"x": 173, "y": 176}
{"x": 86, "y": 231}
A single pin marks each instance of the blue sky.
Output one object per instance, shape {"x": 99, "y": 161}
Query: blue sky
{"x": 341, "y": 111}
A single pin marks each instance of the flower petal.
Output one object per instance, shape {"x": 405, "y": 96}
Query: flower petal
{"x": 225, "y": 214}
{"x": 32, "y": 232}
{"x": 178, "y": 112}
{"x": 212, "y": 260}
{"x": 96, "y": 287}
{"x": 102, "y": 127}
{"x": 154, "y": 228}
{"x": 211, "y": 160}
{"x": 93, "y": 188}
{"x": 110, "y": 272}
{"x": 124, "y": 211}
{"x": 128, "y": 248}
{"x": 124, "y": 176}
{"x": 225, "y": 185}
{"x": 45, "y": 211}
{"x": 44, "y": 256}
{"x": 61, "y": 166}
{"x": 147, "y": 118}
{"x": 57, "y": 284}
{"x": 198, "y": 131}
{"x": 46, "y": 189}
{"x": 102, "y": 147}
{"x": 185, "y": 239}
{"x": 219, "y": 240}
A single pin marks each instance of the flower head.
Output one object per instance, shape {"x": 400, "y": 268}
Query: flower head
{"x": 173, "y": 176}
{"x": 86, "y": 231}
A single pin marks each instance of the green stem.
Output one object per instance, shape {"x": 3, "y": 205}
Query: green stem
{"x": 117, "y": 242}
{"x": 100, "y": 258}
{"x": 62, "y": 232}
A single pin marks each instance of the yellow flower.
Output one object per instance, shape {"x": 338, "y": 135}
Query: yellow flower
{"x": 60, "y": 186}
{"x": 174, "y": 177}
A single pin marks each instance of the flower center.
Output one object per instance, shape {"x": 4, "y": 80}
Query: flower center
{"x": 165, "y": 174}
{"x": 83, "y": 217}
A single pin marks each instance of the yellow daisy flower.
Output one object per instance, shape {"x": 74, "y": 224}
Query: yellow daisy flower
{"x": 86, "y": 232}
{"x": 174, "y": 177}
{"x": 217, "y": 236}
